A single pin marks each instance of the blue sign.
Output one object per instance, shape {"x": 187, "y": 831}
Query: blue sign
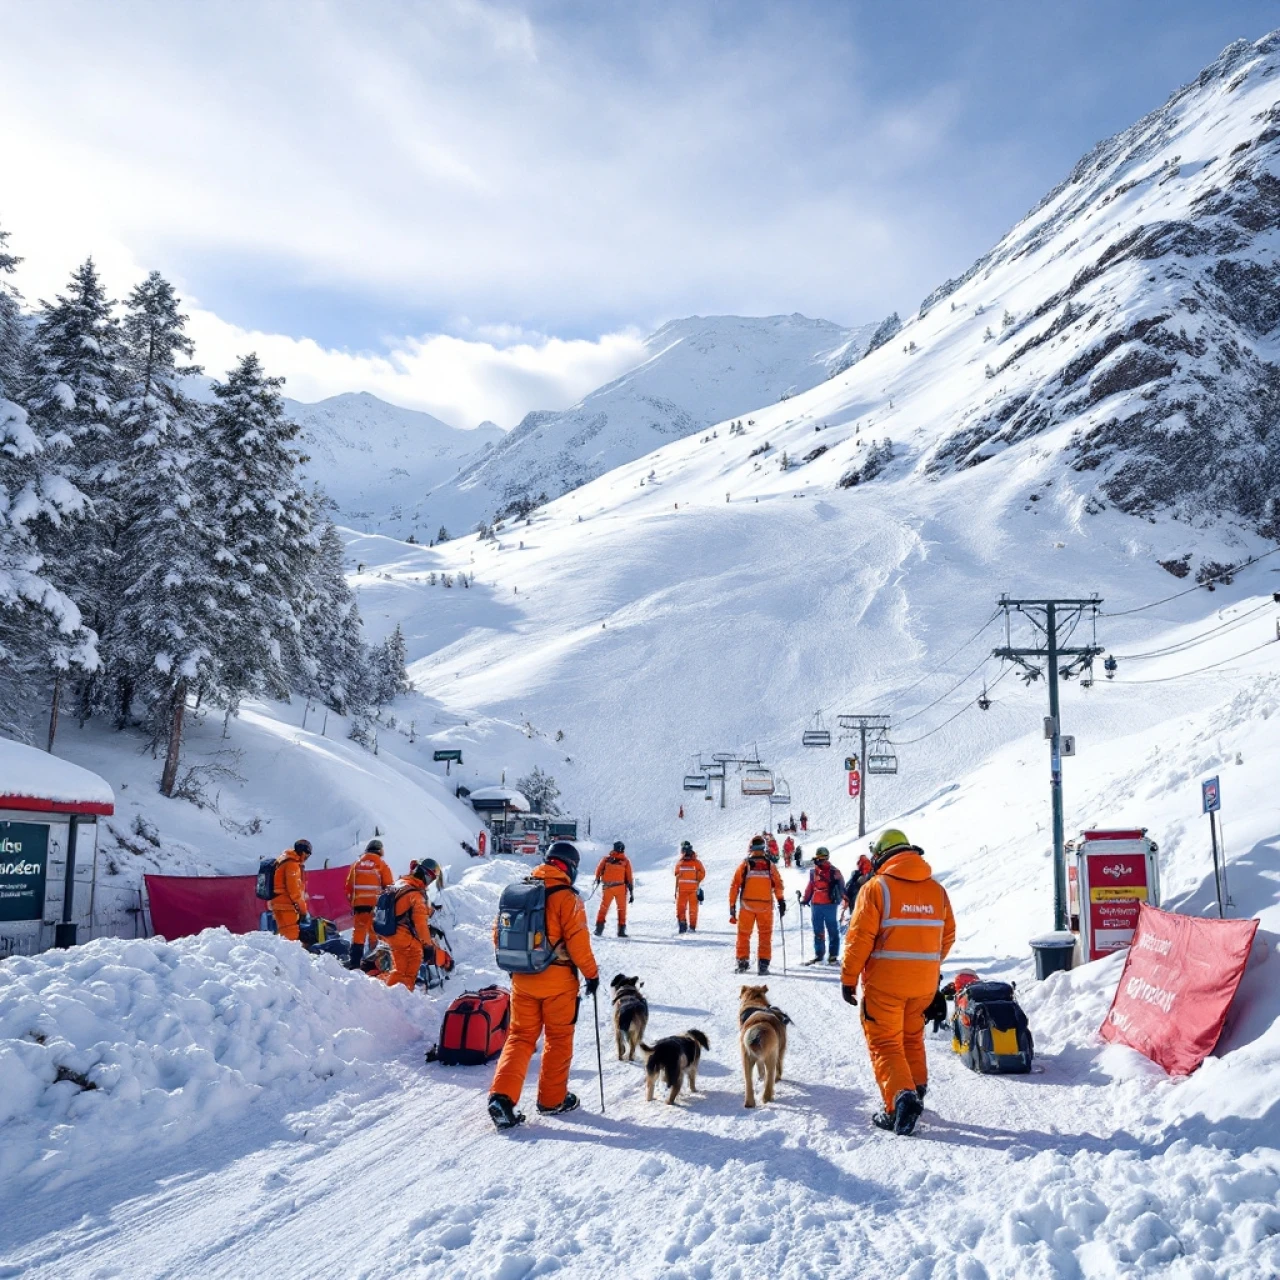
{"x": 1210, "y": 795}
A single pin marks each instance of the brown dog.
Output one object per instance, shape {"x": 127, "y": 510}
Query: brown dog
{"x": 675, "y": 1058}
{"x": 764, "y": 1042}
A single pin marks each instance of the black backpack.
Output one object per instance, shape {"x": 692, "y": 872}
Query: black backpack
{"x": 266, "y": 887}
{"x": 385, "y": 920}
{"x": 990, "y": 1031}
{"x": 523, "y": 945}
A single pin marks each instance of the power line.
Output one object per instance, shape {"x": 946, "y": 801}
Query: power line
{"x": 1229, "y": 625}
{"x": 949, "y": 658}
{"x": 968, "y": 706}
{"x": 1182, "y": 675}
{"x": 1177, "y": 595}
{"x": 949, "y": 692}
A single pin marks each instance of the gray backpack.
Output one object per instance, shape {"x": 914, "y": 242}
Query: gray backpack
{"x": 523, "y": 945}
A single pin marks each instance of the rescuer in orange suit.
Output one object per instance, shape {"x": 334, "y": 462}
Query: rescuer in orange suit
{"x": 756, "y": 886}
{"x": 788, "y": 850}
{"x": 690, "y": 874}
{"x": 901, "y": 932}
{"x": 412, "y": 937}
{"x": 546, "y": 1003}
{"x": 368, "y": 876}
{"x": 289, "y": 906}
{"x": 614, "y": 873}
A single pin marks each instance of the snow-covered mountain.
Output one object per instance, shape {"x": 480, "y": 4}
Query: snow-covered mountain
{"x": 376, "y": 460}
{"x": 697, "y": 372}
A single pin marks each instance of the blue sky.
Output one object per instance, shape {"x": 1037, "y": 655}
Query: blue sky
{"x": 477, "y": 208}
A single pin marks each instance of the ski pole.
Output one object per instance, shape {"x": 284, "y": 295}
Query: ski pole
{"x": 782, "y": 926}
{"x": 800, "y": 920}
{"x": 599, "y": 1057}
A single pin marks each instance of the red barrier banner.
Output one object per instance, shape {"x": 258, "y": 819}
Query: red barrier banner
{"x": 1179, "y": 979}
{"x": 183, "y": 905}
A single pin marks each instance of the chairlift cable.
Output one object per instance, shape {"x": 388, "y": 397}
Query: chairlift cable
{"x": 1229, "y": 625}
{"x": 933, "y": 671}
{"x": 943, "y": 697}
{"x": 1213, "y": 666}
{"x": 967, "y": 707}
{"x": 1177, "y": 595}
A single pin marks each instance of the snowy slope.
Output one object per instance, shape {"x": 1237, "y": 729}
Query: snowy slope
{"x": 696, "y": 372}
{"x": 637, "y": 621}
{"x": 376, "y": 460}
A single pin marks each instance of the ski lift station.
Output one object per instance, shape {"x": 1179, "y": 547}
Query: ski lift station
{"x": 511, "y": 820}
{"x": 48, "y": 869}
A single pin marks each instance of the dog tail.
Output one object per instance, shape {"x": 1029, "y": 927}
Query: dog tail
{"x": 754, "y": 1035}
{"x": 648, "y": 1048}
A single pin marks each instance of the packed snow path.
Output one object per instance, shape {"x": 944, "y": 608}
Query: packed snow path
{"x": 401, "y": 1173}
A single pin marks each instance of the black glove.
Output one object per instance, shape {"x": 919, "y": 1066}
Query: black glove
{"x": 631, "y": 895}
{"x": 700, "y": 896}
{"x": 782, "y": 906}
{"x": 850, "y": 993}
{"x": 593, "y": 985}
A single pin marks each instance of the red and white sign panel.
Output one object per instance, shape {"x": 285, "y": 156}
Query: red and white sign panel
{"x": 855, "y": 783}
{"x": 1179, "y": 979}
{"x": 1117, "y": 889}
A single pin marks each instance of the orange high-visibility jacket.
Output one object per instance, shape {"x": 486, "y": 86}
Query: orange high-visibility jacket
{"x": 902, "y": 929}
{"x": 413, "y": 911}
{"x": 690, "y": 872}
{"x": 291, "y": 888}
{"x": 566, "y": 929}
{"x": 754, "y": 883}
{"x": 614, "y": 870}
{"x": 368, "y": 876}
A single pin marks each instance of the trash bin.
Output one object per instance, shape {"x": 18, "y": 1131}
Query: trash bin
{"x": 1054, "y": 953}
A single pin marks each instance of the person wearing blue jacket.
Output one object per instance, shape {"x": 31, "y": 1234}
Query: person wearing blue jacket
{"x": 822, "y": 896}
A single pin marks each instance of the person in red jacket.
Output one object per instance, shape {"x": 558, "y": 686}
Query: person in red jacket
{"x": 756, "y": 886}
{"x": 804, "y": 822}
{"x": 289, "y": 906}
{"x": 690, "y": 874}
{"x": 368, "y": 876}
{"x": 614, "y": 874}
{"x": 822, "y": 897}
{"x": 546, "y": 1004}
{"x": 788, "y": 851}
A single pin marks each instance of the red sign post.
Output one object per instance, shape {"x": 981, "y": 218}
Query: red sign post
{"x": 855, "y": 783}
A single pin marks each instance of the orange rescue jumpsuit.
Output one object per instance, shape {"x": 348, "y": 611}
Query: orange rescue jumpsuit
{"x": 690, "y": 873}
{"x": 546, "y": 1003}
{"x": 413, "y": 933}
{"x": 614, "y": 873}
{"x": 788, "y": 848}
{"x": 368, "y": 876}
{"x": 756, "y": 885}
{"x": 902, "y": 930}
{"x": 290, "y": 903}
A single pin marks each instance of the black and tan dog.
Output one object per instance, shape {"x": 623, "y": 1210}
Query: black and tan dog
{"x": 764, "y": 1042}
{"x": 630, "y": 1015}
{"x": 675, "y": 1058}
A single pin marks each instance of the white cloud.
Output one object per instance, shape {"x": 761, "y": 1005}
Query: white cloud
{"x": 460, "y": 380}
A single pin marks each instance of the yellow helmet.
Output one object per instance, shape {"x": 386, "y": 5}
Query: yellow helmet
{"x": 890, "y": 841}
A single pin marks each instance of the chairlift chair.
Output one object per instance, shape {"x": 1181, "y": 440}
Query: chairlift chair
{"x": 817, "y": 734}
{"x": 781, "y": 792}
{"x": 882, "y": 759}
{"x": 757, "y": 782}
{"x": 696, "y": 781}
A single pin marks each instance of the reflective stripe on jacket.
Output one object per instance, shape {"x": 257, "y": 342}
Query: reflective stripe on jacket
{"x": 754, "y": 883}
{"x": 902, "y": 929}
{"x": 689, "y": 873}
{"x": 368, "y": 876}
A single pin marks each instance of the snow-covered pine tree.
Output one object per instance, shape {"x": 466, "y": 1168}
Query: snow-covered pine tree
{"x": 261, "y": 517}
{"x": 327, "y": 659}
{"x": 73, "y": 397}
{"x": 166, "y": 619}
{"x": 388, "y": 677}
{"x": 541, "y": 791}
{"x": 42, "y": 635}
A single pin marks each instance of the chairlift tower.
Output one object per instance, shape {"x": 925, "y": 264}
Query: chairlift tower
{"x": 1049, "y": 618}
{"x": 878, "y": 728}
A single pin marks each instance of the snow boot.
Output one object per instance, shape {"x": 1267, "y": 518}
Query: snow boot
{"x": 599, "y": 927}
{"x": 762, "y": 968}
{"x": 743, "y": 966}
{"x": 622, "y": 931}
{"x": 570, "y": 1103}
{"x": 357, "y": 954}
{"x": 684, "y": 928}
{"x": 503, "y": 1113}
{"x": 920, "y": 1091}
{"x": 833, "y": 959}
{"x": 883, "y": 1120}
{"x": 693, "y": 928}
{"x": 906, "y": 1111}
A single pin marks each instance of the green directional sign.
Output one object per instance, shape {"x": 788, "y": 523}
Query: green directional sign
{"x": 454, "y": 756}
{"x": 24, "y": 860}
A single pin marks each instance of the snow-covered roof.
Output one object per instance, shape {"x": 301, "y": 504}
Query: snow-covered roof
{"x": 36, "y": 781}
{"x": 496, "y": 795}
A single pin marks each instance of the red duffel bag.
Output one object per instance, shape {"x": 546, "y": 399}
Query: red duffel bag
{"x": 474, "y": 1028}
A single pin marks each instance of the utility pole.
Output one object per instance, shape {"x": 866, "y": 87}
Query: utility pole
{"x": 878, "y": 725}
{"x": 1049, "y": 619}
